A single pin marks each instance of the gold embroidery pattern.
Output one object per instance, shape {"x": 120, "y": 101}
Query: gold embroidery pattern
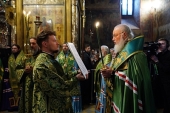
{"x": 118, "y": 60}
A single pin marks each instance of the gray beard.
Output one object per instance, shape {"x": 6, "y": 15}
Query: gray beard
{"x": 33, "y": 51}
{"x": 118, "y": 47}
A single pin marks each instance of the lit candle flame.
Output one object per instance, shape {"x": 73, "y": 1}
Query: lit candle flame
{"x": 97, "y": 24}
{"x": 24, "y": 12}
{"x": 28, "y": 13}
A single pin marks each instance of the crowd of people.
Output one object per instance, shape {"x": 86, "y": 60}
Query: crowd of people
{"x": 119, "y": 80}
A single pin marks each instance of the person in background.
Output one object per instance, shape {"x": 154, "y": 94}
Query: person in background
{"x": 131, "y": 82}
{"x": 96, "y": 60}
{"x": 100, "y": 83}
{"x": 24, "y": 71}
{"x": 1, "y": 79}
{"x": 6, "y": 88}
{"x": 162, "y": 60}
{"x": 70, "y": 67}
{"x": 16, "y": 56}
{"x": 87, "y": 85}
{"x": 51, "y": 85}
{"x": 92, "y": 54}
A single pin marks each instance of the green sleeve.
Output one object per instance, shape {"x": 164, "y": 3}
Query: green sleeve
{"x": 52, "y": 83}
{"x": 20, "y": 68}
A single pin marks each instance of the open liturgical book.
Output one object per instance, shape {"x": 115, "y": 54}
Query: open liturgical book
{"x": 78, "y": 59}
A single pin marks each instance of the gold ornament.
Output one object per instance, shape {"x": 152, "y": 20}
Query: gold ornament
{"x": 10, "y": 15}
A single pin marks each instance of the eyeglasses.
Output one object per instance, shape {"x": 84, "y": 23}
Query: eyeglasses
{"x": 115, "y": 35}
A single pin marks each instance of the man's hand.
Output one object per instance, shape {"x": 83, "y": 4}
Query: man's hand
{"x": 106, "y": 72}
{"x": 80, "y": 76}
{"x": 154, "y": 58}
{"x": 79, "y": 71}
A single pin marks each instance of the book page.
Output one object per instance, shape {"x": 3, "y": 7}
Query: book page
{"x": 78, "y": 59}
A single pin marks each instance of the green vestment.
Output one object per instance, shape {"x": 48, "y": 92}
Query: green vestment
{"x": 51, "y": 86}
{"x": 70, "y": 68}
{"x": 132, "y": 92}
{"x": 25, "y": 105}
{"x": 67, "y": 64}
{"x": 13, "y": 77}
{"x": 97, "y": 78}
{"x": 100, "y": 84}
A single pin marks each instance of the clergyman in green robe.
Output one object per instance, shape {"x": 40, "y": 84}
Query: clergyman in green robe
{"x": 51, "y": 86}
{"x": 70, "y": 67}
{"x": 99, "y": 81}
{"x": 24, "y": 71}
{"x": 17, "y": 55}
{"x": 131, "y": 91}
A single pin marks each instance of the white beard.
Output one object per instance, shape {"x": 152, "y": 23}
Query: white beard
{"x": 119, "y": 46}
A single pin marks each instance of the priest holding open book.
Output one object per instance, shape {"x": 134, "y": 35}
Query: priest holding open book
{"x": 70, "y": 67}
{"x": 51, "y": 85}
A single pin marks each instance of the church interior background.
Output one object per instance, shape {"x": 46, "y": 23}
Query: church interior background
{"x": 74, "y": 20}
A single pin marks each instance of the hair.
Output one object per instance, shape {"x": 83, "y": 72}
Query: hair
{"x": 44, "y": 36}
{"x": 86, "y": 45}
{"x": 111, "y": 49}
{"x": 105, "y": 48}
{"x": 64, "y": 43}
{"x": 16, "y": 46}
{"x": 127, "y": 30}
{"x": 167, "y": 42}
{"x": 34, "y": 38}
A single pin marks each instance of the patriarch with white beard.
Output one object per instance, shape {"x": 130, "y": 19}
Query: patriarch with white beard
{"x": 121, "y": 35}
{"x": 128, "y": 85}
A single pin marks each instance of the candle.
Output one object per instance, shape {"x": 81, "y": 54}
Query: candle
{"x": 37, "y": 18}
{"x": 37, "y": 9}
{"x": 24, "y": 12}
{"x": 97, "y": 24}
{"x": 97, "y": 32}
